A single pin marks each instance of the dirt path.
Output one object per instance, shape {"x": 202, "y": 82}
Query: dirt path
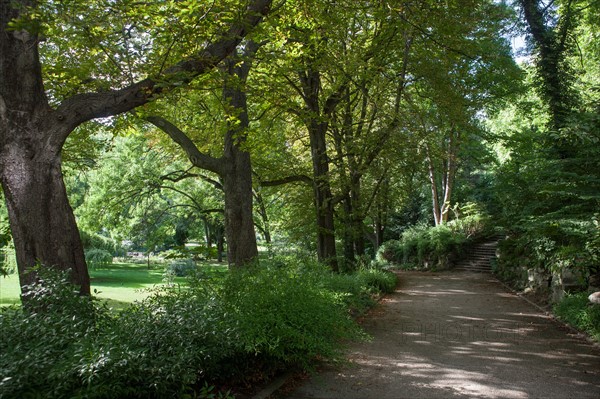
{"x": 461, "y": 334}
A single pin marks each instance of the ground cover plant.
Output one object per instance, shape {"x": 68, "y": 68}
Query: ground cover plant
{"x": 576, "y": 310}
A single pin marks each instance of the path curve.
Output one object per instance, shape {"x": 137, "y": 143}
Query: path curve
{"x": 460, "y": 335}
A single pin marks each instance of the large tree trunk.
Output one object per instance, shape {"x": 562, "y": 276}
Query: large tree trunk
{"x": 237, "y": 176}
{"x": 41, "y": 219}
{"x": 239, "y": 223}
{"x": 31, "y": 137}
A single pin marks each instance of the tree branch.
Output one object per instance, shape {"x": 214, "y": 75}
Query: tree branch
{"x": 82, "y": 107}
{"x": 289, "y": 179}
{"x": 196, "y": 157}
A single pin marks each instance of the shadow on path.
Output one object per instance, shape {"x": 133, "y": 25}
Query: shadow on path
{"x": 461, "y": 334}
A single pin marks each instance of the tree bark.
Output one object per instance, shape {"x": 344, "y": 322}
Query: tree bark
{"x": 437, "y": 217}
{"x": 42, "y": 222}
{"x": 237, "y": 179}
{"x": 323, "y": 197}
{"x": 316, "y": 121}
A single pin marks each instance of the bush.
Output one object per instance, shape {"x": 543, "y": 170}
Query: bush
{"x": 181, "y": 267}
{"x": 423, "y": 247}
{"x": 95, "y": 257}
{"x": 241, "y": 327}
{"x": 292, "y": 322}
{"x": 390, "y": 251}
{"x": 39, "y": 343}
{"x": 378, "y": 281}
{"x": 576, "y": 310}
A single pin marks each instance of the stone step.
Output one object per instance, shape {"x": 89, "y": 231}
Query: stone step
{"x": 478, "y": 258}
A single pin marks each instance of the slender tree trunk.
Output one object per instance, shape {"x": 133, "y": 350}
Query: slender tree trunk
{"x": 220, "y": 243}
{"x": 262, "y": 211}
{"x": 449, "y": 174}
{"x": 323, "y": 198}
{"x": 208, "y": 236}
{"x": 437, "y": 217}
{"x": 348, "y": 237}
{"x": 357, "y": 213}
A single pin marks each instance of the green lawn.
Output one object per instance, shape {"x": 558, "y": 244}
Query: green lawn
{"x": 119, "y": 283}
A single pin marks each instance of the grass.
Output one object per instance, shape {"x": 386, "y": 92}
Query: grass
{"x": 119, "y": 284}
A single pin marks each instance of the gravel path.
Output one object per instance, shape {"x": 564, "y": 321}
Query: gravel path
{"x": 460, "y": 335}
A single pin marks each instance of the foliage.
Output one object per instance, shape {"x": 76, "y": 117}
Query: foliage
{"x": 548, "y": 183}
{"x": 359, "y": 289}
{"x": 473, "y": 222}
{"x": 377, "y": 281}
{"x": 243, "y": 326}
{"x": 38, "y": 343}
{"x": 293, "y": 322}
{"x": 424, "y": 247}
{"x": 550, "y": 248}
{"x": 95, "y": 257}
{"x": 181, "y": 267}
{"x": 576, "y": 310}
{"x": 101, "y": 242}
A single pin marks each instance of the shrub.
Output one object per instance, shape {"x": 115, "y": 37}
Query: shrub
{"x": 240, "y": 327}
{"x": 181, "y": 267}
{"x": 292, "y": 322}
{"x": 390, "y": 251}
{"x": 98, "y": 257}
{"x": 423, "y": 247}
{"x": 38, "y": 343}
{"x": 576, "y": 310}
{"x": 378, "y": 281}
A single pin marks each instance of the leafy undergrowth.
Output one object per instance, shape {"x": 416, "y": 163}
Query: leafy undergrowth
{"x": 577, "y": 311}
{"x": 238, "y": 328}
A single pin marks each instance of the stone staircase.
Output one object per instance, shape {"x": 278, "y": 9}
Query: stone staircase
{"x": 479, "y": 257}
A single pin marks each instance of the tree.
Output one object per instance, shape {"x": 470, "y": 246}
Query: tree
{"x": 233, "y": 167}
{"x": 33, "y": 131}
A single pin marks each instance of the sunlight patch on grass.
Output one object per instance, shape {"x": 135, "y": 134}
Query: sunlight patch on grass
{"x": 119, "y": 284}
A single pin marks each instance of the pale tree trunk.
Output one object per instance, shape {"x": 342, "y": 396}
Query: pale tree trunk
{"x": 449, "y": 174}
{"x": 437, "y": 217}
{"x": 441, "y": 210}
